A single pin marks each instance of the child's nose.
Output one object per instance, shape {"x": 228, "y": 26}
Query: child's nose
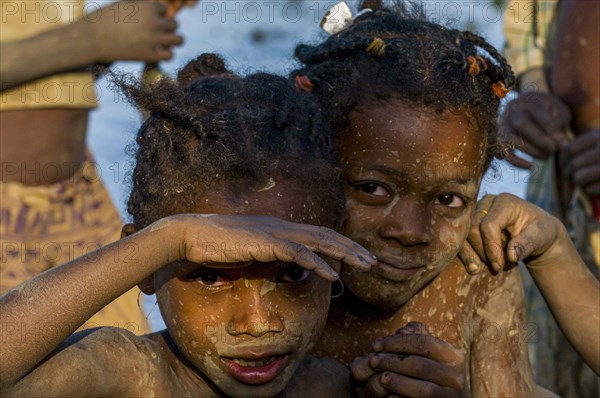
{"x": 409, "y": 223}
{"x": 253, "y": 315}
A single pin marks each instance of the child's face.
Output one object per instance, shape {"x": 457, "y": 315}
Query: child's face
{"x": 412, "y": 178}
{"x": 246, "y": 328}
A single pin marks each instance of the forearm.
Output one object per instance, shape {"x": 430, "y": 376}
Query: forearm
{"x": 60, "y": 300}
{"x": 53, "y": 51}
{"x": 573, "y": 295}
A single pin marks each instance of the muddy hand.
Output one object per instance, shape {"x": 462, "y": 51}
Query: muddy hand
{"x": 507, "y": 229}
{"x": 232, "y": 239}
{"x": 412, "y": 363}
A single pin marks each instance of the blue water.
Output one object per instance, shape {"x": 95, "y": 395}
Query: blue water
{"x": 231, "y": 28}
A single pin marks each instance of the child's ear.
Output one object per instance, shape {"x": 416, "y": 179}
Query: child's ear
{"x": 128, "y": 229}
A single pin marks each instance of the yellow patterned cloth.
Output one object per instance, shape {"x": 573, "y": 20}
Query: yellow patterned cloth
{"x": 45, "y": 226}
{"x": 527, "y": 28}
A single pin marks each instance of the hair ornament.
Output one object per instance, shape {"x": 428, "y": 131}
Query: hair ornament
{"x": 474, "y": 68}
{"x": 482, "y": 63}
{"x": 377, "y": 47}
{"x": 339, "y": 17}
{"x": 500, "y": 89}
{"x": 303, "y": 83}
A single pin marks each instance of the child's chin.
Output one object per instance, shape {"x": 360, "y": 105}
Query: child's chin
{"x": 236, "y": 389}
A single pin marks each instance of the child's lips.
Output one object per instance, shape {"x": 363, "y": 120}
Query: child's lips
{"x": 395, "y": 273}
{"x": 255, "y": 370}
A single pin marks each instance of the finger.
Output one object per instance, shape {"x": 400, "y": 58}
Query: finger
{"x": 161, "y": 54}
{"x": 518, "y": 161}
{"x": 475, "y": 239}
{"x": 413, "y": 327}
{"x": 532, "y": 134}
{"x": 592, "y": 189}
{"x": 159, "y": 8}
{"x": 533, "y": 150}
{"x": 168, "y": 25}
{"x": 296, "y": 253}
{"x": 470, "y": 259}
{"x": 169, "y": 40}
{"x": 587, "y": 176}
{"x": 416, "y": 366}
{"x": 524, "y": 245}
{"x": 374, "y": 388}
{"x": 584, "y": 159}
{"x": 331, "y": 244}
{"x": 583, "y": 142}
{"x": 491, "y": 228}
{"x": 418, "y": 344}
{"x": 361, "y": 370}
{"x": 409, "y": 387}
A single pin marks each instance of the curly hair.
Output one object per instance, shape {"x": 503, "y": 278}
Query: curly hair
{"x": 395, "y": 53}
{"x": 210, "y": 129}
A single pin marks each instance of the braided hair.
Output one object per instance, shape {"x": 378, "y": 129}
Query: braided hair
{"x": 395, "y": 53}
{"x": 212, "y": 129}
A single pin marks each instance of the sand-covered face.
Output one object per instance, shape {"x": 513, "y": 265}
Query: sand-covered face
{"x": 412, "y": 178}
{"x": 245, "y": 328}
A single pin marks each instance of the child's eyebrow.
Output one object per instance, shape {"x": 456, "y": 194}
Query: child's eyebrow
{"x": 408, "y": 172}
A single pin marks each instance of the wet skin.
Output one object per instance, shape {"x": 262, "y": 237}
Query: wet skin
{"x": 412, "y": 179}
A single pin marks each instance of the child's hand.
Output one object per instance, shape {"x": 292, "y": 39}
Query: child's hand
{"x": 234, "y": 239}
{"x": 411, "y": 363}
{"x": 130, "y": 30}
{"x": 506, "y": 229}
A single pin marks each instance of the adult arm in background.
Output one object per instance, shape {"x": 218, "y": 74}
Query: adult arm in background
{"x": 125, "y": 30}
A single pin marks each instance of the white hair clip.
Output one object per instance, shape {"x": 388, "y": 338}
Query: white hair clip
{"x": 339, "y": 17}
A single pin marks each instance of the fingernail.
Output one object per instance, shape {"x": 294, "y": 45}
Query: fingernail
{"x": 472, "y": 267}
{"x": 496, "y": 266}
{"x": 518, "y": 253}
{"x": 385, "y": 378}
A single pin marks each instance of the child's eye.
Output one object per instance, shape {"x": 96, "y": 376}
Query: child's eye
{"x": 450, "y": 200}
{"x": 210, "y": 278}
{"x": 294, "y": 274}
{"x": 373, "y": 188}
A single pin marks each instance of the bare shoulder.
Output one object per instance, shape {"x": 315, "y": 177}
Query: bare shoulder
{"x": 98, "y": 362}
{"x": 320, "y": 377}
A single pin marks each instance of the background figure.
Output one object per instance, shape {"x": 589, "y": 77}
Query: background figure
{"x": 54, "y": 207}
{"x": 556, "y": 119}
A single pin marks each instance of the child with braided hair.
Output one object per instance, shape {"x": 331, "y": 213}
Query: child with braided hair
{"x": 235, "y": 289}
{"x": 414, "y": 109}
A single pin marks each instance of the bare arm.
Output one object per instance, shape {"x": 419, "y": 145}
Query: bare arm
{"x": 125, "y": 30}
{"x": 69, "y": 294}
{"x": 499, "y": 364}
{"x": 542, "y": 242}
{"x": 573, "y": 295}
